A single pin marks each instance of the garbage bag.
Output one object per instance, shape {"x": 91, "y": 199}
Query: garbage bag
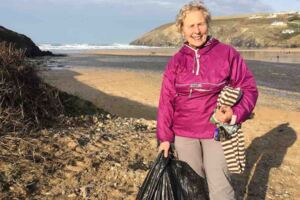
{"x": 171, "y": 179}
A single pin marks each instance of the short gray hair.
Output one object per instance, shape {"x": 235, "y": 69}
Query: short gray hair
{"x": 193, "y": 5}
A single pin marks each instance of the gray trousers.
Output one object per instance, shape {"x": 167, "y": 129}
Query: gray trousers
{"x": 206, "y": 157}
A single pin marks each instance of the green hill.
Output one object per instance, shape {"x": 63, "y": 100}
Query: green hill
{"x": 246, "y": 31}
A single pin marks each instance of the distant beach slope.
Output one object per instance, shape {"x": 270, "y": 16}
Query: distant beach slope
{"x": 246, "y": 31}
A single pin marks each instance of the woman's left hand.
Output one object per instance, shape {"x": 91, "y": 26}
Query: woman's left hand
{"x": 224, "y": 114}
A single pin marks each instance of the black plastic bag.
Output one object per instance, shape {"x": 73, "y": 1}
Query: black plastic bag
{"x": 171, "y": 179}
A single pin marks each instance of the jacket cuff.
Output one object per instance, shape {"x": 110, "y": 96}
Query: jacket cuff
{"x": 233, "y": 120}
{"x": 237, "y": 114}
{"x": 165, "y": 138}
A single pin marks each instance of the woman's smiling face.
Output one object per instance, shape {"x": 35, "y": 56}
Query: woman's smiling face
{"x": 195, "y": 28}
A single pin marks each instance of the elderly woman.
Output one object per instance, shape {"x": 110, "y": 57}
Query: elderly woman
{"x": 192, "y": 80}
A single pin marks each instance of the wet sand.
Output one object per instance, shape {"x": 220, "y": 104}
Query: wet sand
{"x": 277, "y": 75}
{"x": 283, "y": 55}
{"x": 170, "y": 51}
{"x": 137, "y": 52}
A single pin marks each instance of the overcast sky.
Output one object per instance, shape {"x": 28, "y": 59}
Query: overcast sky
{"x": 111, "y": 21}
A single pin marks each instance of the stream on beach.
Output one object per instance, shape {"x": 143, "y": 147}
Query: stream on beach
{"x": 280, "y": 71}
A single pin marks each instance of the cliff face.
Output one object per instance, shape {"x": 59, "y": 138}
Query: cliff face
{"x": 248, "y": 31}
{"x": 21, "y": 42}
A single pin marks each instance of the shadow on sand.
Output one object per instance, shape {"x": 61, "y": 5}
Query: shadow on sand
{"x": 120, "y": 106}
{"x": 263, "y": 154}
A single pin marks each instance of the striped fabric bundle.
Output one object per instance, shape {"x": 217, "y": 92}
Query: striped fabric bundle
{"x": 229, "y": 96}
{"x": 234, "y": 151}
{"x": 231, "y": 136}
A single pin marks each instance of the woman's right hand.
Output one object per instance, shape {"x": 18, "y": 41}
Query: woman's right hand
{"x": 164, "y": 146}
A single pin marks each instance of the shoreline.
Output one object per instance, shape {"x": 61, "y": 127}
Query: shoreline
{"x": 169, "y": 51}
{"x": 283, "y": 76}
{"x": 161, "y": 51}
{"x": 274, "y": 55}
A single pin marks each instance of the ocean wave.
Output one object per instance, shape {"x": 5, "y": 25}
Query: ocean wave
{"x": 89, "y": 46}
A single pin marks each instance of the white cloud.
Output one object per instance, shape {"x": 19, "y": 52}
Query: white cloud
{"x": 217, "y": 7}
{"x": 121, "y": 2}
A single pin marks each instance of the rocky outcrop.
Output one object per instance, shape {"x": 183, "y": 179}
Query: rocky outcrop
{"x": 21, "y": 42}
{"x": 247, "y": 31}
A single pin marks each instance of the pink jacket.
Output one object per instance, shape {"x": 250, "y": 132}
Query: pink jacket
{"x": 191, "y": 83}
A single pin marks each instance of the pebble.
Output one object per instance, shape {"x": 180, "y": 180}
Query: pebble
{"x": 72, "y": 195}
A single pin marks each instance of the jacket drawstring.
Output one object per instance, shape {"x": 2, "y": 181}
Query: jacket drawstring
{"x": 191, "y": 91}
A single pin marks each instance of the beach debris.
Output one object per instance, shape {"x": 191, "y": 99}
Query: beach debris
{"x": 288, "y": 31}
{"x": 88, "y": 153}
{"x": 74, "y": 161}
{"x": 278, "y": 23}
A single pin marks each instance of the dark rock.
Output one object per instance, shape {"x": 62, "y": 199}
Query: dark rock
{"x": 32, "y": 187}
{"x": 82, "y": 141}
{"x": 242, "y": 42}
{"x": 107, "y": 137}
{"x": 138, "y": 164}
{"x": 22, "y": 42}
{"x": 4, "y": 185}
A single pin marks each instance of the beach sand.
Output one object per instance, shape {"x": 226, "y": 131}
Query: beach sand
{"x": 273, "y": 147}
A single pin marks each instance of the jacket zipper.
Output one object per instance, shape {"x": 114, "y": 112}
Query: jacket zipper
{"x": 193, "y": 86}
{"x": 197, "y": 61}
{"x": 199, "y": 84}
{"x": 197, "y": 58}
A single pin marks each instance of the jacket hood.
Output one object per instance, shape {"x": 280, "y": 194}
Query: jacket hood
{"x": 210, "y": 43}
